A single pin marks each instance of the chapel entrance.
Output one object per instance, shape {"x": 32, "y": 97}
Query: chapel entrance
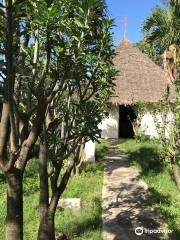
{"x": 126, "y": 117}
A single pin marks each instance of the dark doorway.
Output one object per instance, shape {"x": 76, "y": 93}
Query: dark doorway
{"x": 126, "y": 117}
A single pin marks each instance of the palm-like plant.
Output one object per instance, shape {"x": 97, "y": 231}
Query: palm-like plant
{"x": 163, "y": 26}
{"x": 162, "y": 29}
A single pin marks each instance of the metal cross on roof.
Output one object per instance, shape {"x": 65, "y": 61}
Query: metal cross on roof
{"x": 125, "y": 22}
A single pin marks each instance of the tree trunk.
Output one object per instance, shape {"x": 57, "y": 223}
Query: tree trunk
{"x": 14, "y": 217}
{"x": 47, "y": 227}
{"x": 176, "y": 173}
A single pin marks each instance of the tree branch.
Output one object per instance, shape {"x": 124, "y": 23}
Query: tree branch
{"x": 10, "y": 71}
{"x": 60, "y": 189}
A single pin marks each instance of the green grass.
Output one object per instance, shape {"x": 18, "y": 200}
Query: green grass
{"x": 83, "y": 225}
{"x": 165, "y": 196}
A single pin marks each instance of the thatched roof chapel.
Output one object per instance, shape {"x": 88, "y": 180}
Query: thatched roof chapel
{"x": 138, "y": 79}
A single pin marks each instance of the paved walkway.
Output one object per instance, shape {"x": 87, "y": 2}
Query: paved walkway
{"x": 125, "y": 199}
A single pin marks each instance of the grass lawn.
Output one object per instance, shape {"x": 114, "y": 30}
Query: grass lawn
{"x": 83, "y": 225}
{"x": 165, "y": 196}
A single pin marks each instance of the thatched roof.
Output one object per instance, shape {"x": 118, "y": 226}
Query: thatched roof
{"x": 138, "y": 79}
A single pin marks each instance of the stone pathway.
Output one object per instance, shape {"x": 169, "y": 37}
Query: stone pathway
{"x": 125, "y": 199}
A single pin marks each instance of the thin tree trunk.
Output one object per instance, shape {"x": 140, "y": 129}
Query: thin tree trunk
{"x": 174, "y": 165}
{"x": 47, "y": 225}
{"x": 14, "y": 217}
{"x": 176, "y": 173}
{"x": 78, "y": 159}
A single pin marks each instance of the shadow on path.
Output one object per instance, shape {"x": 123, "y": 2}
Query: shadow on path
{"x": 125, "y": 199}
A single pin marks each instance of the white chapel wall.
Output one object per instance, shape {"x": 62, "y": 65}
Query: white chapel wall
{"x": 110, "y": 125}
{"x": 148, "y": 125}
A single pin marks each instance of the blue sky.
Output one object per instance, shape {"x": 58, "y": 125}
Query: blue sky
{"x": 135, "y": 10}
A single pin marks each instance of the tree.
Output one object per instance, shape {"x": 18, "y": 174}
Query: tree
{"x": 162, "y": 28}
{"x": 55, "y": 60}
{"x": 153, "y": 51}
{"x": 76, "y": 112}
{"x": 26, "y": 43}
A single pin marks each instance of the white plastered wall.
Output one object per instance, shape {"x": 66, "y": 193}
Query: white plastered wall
{"x": 110, "y": 125}
{"x": 148, "y": 125}
{"x": 110, "y": 129}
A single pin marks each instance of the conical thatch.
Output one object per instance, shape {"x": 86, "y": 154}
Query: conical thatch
{"x": 138, "y": 79}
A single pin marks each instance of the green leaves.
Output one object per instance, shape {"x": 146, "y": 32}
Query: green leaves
{"x": 154, "y": 51}
{"x": 162, "y": 29}
{"x": 163, "y": 26}
{"x": 86, "y": 65}
{"x": 61, "y": 66}
{"x": 70, "y": 43}
{"x": 78, "y": 23}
